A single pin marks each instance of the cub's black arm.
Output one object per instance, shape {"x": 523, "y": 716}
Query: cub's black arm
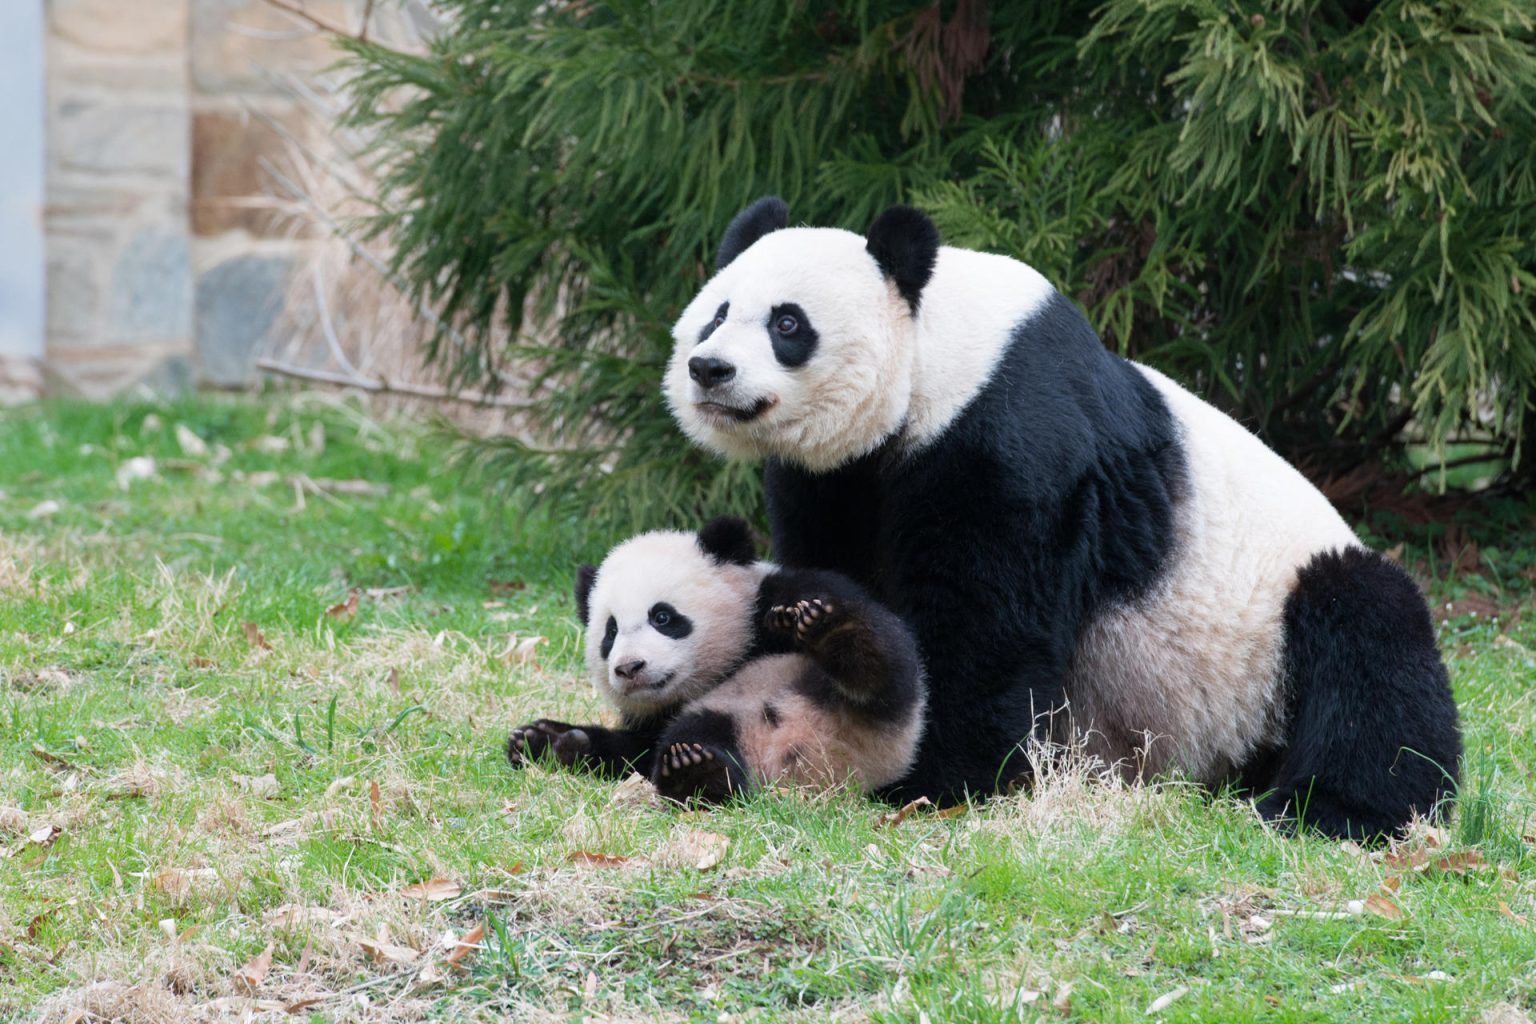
{"x": 591, "y": 748}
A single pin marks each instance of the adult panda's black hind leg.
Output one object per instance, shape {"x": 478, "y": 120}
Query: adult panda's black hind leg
{"x": 1372, "y": 735}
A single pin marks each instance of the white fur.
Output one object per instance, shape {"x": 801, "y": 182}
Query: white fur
{"x": 670, "y": 567}
{"x": 876, "y": 367}
{"x": 1189, "y": 675}
{"x": 811, "y": 745}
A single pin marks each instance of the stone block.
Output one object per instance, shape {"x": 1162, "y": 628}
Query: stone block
{"x": 151, "y": 297}
{"x": 226, "y": 60}
{"x": 74, "y": 294}
{"x": 121, "y": 138}
{"x": 121, "y": 26}
{"x": 21, "y": 379}
{"x": 227, "y": 150}
{"x": 238, "y": 305}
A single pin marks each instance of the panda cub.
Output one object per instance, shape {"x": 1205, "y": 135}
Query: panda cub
{"x": 730, "y": 673}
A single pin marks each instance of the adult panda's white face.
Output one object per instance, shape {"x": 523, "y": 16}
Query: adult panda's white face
{"x": 801, "y": 346}
{"x": 669, "y": 614}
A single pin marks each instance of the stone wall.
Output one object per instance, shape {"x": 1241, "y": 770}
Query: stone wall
{"x": 166, "y": 263}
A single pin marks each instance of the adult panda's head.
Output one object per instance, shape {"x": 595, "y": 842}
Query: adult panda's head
{"x": 669, "y": 614}
{"x": 801, "y": 345}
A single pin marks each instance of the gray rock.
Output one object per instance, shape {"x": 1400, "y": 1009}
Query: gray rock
{"x": 152, "y": 287}
{"x": 74, "y": 296}
{"x": 122, "y": 138}
{"x": 238, "y": 303}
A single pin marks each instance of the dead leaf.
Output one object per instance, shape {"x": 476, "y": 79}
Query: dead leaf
{"x": 467, "y": 944}
{"x": 1163, "y": 1001}
{"x": 373, "y": 798}
{"x": 507, "y": 586}
{"x": 383, "y": 949}
{"x": 247, "y": 978}
{"x": 262, "y": 787}
{"x": 601, "y": 860}
{"x": 303, "y": 1004}
{"x": 192, "y": 446}
{"x": 1504, "y": 909}
{"x": 520, "y": 652}
{"x": 1416, "y": 859}
{"x": 346, "y": 610}
{"x": 254, "y": 636}
{"x": 635, "y": 791}
{"x": 896, "y": 817}
{"x": 1420, "y": 979}
{"x": 701, "y": 850}
{"x": 1381, "y": 906}
{"x": 45, "y": 836}
{"x": 1460, "y": 863}
{"x": 433, "y": 890}
{"x": 1392, "y": 883}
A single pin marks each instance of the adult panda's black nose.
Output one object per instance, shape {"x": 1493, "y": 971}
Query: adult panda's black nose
{"x": 629, "y": 669}
{"x": 709, "y": 371}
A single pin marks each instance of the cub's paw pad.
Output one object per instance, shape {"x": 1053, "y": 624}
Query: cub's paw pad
{"x": 783, "y": 618}
{"x": 804, "y": 618}
{"x": 687, "y": 771}
{"x": 572, "y": 746}
{"x": 529, "y": 742}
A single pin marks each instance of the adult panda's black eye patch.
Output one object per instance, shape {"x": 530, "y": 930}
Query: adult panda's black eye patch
{"x": 709, "y": 328}
{"x": 794, "y": 339}
{"x": 610, "y": 634}
{"x": 670, "y": 622}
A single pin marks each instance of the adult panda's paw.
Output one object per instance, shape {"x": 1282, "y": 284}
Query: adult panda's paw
{"x": 532, "y": 741}
{"x": 694, "y": 771}
{"x": 806, "y": 619}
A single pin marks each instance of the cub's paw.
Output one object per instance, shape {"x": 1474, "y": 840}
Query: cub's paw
{"x": 687, "y": 771}
{"x": 573, "y": 747}
{"x": 530, "y": 742}
{"x": 806, "y": 619}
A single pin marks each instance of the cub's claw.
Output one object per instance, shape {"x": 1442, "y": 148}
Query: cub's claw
{"x": 805, "y": 618}
{"x": 693, "y": 771}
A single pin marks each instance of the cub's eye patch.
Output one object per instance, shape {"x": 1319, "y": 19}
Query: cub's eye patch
{"x": 709, "y": 328}
{"x": 610, "y": 634}
{"x": 791, "y": 334}
{"x": 668, "y": 621}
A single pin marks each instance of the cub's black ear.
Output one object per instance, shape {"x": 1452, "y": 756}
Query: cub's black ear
{"x": 763, "y": 217}
{"x": 906, "y": 245}
{"x": 728, "y": 539}
{"x": 585, "y": 577}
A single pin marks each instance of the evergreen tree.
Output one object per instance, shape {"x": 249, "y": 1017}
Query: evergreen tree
{"x": 1321, "y": 214}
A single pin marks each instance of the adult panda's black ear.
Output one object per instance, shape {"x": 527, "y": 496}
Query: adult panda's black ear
{"x": 765, "y": 216}
{"x": 728, "y": 540}
{"x": 585, "y": 577}
{"x": 905, "y": 243}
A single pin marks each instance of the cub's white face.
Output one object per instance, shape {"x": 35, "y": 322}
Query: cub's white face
{"x": 667, "y": 622}
{"x": 799, "y": 348}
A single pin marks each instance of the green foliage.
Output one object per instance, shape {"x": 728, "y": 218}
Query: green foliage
{"x": 1321, "y": 214}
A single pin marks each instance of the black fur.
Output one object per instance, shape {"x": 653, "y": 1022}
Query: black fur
{"x": 766, "y": 215}
{"x": 586, "y": 576}
{"x": 728, "y": 540}
{"x": 709, "y": 328}
{"x": 862, "y": 659}
{"x": 610, "y": 634}
{"x": 1049, "y": 497}
{"x": 905, "y": 243}
{"x": 792, "y": 348}
{"x": 668, "y": 621}
{"x": 1372, "y": 734}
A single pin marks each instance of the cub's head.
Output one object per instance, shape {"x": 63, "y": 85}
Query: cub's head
{"x": 801, "y": 344}
{"x": 669, "y": 614}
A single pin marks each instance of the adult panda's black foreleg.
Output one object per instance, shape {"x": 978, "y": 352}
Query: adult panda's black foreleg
{"x": 1372, "y": 735}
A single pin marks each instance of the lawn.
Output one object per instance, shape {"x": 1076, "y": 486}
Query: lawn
{"x": 256, "y": 665}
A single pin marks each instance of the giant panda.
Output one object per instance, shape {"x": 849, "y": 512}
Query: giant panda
{"x": 1086, "y": 551}
{"x": 730, "y": 674}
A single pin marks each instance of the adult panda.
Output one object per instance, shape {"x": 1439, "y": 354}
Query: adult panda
{"x": 1084, "y": 549}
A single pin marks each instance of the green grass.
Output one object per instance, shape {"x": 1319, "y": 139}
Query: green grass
{"x": 212, "y": 796}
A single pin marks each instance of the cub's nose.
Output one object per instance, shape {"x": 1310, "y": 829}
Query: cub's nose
{"x": 629, "y": 669}
{"x": 709, "y": 371}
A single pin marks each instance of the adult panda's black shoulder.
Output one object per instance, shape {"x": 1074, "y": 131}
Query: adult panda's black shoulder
{"x": 1084, "y": 549}
{"x": 729, "y": 673}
